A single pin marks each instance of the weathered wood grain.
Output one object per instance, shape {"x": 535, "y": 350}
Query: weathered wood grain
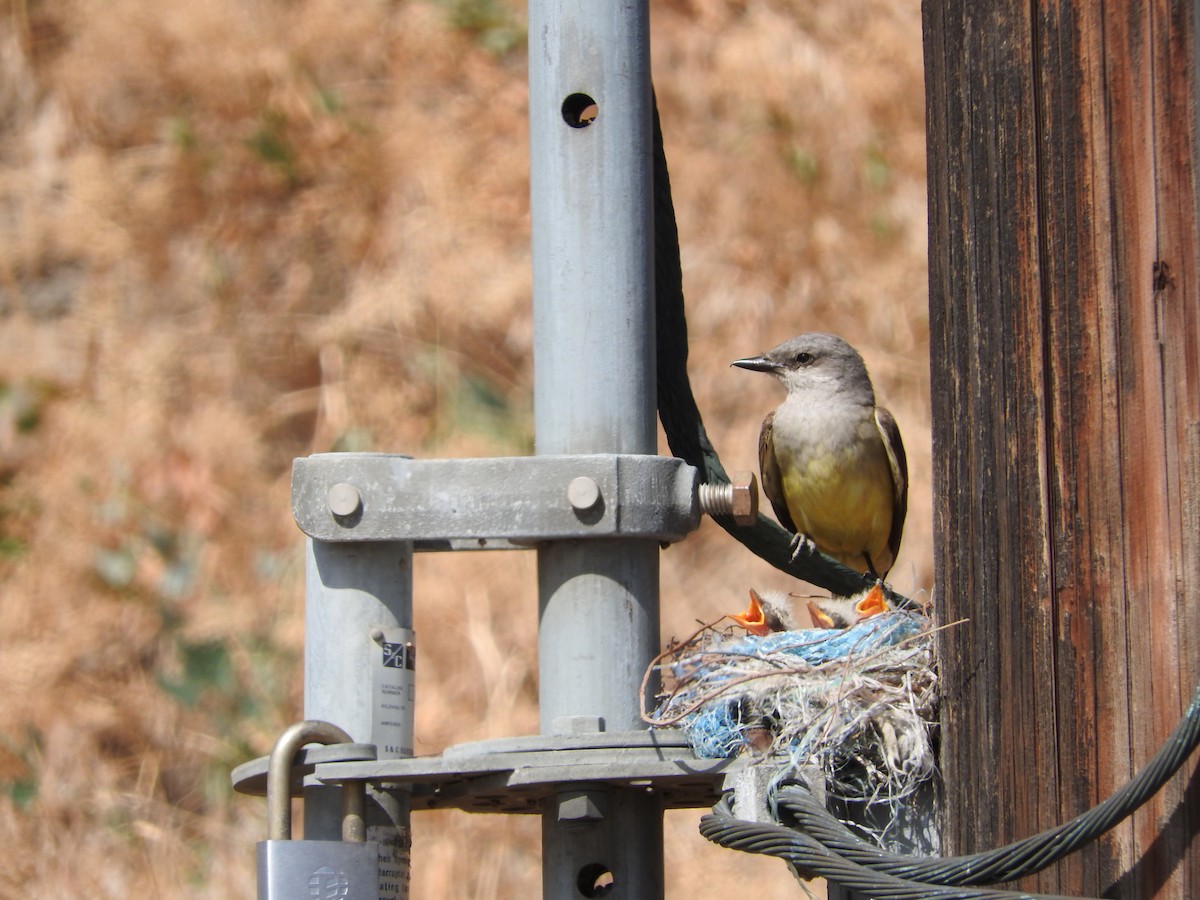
{"x": 1065, "y": 343}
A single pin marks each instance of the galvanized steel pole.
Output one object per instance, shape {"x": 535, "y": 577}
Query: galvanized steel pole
{"x": 358, "y": 604}
{"x": 593, "y": 307}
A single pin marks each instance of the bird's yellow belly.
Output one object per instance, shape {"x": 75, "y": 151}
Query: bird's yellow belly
{"x": 843, "y": 501}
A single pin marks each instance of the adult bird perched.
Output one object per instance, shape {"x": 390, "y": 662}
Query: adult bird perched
{"x": 832, "y": 462}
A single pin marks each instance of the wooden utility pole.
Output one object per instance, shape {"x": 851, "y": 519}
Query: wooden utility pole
{"x": 1065, "y": 338}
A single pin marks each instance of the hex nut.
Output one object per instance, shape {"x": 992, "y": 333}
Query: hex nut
{"x": 578, "y": 807}
{"x": 745, "y": 498}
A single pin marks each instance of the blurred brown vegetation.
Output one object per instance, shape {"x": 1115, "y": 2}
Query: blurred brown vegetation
{"x": 233, "y": 233}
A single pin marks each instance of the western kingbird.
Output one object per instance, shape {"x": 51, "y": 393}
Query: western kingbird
{"x": 832, "y": 462}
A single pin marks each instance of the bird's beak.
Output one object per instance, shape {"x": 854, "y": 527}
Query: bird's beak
{"x": 872, "y": 604}
{"x": 842, "y": 613}
{"x": 820, "y": 618}
{"x": 754, "y": 620}
{"x": 756, "y": 364}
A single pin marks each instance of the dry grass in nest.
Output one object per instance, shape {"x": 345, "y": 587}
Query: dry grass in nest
{"x": 858, "y": 704}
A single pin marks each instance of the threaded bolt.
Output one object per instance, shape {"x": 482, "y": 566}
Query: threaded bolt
{"x": 737, "y": 498}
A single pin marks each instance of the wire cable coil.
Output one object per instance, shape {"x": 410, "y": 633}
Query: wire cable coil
{"x": 817, "y": 844}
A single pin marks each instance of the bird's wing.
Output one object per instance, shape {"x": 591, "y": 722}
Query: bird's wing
{"x": 772, "y": 480}
{"x": 898, "y": 462}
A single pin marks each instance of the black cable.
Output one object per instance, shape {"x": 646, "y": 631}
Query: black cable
{"x": 1018, "y": 859}
{"x": 814, "y": 860}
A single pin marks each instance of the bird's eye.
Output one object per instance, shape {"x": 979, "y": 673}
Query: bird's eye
{"x": 804, "y": 358}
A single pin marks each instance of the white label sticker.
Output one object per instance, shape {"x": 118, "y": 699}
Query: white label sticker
{"x": 394, "y": 677}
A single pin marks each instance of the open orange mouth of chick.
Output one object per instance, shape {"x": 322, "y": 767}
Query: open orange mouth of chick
{"x": 754, "y": 619}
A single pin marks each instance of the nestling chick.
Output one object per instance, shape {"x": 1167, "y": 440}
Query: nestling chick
{"x": 775, "y": 611}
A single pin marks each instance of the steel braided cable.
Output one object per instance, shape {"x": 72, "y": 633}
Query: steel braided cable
{"x": 1020, "y": 858}
{"x": 812, "y": 858}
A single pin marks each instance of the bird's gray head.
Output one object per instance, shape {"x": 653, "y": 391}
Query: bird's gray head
{"x": 816, "y": 363}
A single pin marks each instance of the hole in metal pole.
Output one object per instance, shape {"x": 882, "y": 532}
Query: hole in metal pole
{"x": 579, "y": 110}
{"x": 595, "y": 880}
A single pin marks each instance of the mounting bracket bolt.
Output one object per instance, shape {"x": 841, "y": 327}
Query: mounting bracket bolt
{"x": 344, "y": 500}
{"x": 737, "y": 498}
{"x": 583, "y": 493}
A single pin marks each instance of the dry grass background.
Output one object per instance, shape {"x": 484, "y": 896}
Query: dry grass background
{"x": 233, "y": 233}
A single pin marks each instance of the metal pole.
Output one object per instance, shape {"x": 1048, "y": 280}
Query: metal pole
{"x": 593, "y": 309}
{"x": 358, "y": 616}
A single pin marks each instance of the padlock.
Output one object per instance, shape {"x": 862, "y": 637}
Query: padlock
{"x": 321, "y": 870}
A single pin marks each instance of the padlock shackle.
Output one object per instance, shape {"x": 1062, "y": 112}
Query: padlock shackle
{"x": 279, "y": 781}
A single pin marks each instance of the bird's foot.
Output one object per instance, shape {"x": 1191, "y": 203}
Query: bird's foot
{"x": 802, "y": 544}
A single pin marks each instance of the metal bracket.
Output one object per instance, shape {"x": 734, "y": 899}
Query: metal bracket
{"x": 516, "y": 775}
{"x": 494, "y": 503}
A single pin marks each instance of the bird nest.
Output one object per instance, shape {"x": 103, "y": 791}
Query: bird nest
{"x": 858, "y": 703}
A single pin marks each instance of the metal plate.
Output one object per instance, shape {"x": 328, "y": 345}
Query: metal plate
{"x": 515, "y": 775}
{"x": 251, "y": 777}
